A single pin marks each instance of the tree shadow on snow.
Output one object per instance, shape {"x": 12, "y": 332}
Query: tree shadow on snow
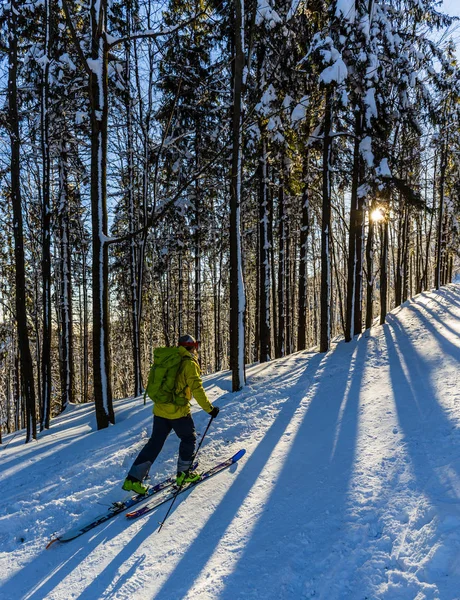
{"x": 37, "y": 579}
{"x": 452, "y": 294}
{"x": 424, "y": 422}
{"x": 427, "y": 315}
{"x": 311, "y": 488}
{"x": 319, "y": 462}
{"x": 51, "y": 444}
{"x": 48, "y": 570}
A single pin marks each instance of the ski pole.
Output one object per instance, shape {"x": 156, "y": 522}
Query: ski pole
{"x": 182, "y": 484}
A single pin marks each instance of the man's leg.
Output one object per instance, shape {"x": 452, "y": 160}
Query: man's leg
{"x": 185, "y": 430}
{"x": 148, "y": 454}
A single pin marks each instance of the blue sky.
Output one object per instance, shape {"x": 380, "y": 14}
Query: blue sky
{"x": 452, "y": 7}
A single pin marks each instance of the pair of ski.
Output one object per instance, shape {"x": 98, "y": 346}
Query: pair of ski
{"x": 166, "y": 485}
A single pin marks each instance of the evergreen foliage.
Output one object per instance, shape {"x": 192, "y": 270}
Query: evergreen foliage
{"x": 268, "y": 177}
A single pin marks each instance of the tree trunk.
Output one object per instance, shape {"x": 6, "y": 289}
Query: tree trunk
{"x": 98, "y": 93}
{"x": 264, "y": 258}
{"x": 27, "y": 374}
{"x": 237, "y": 294}
{"x": 85, "y": 383}
{"x": 325, "y": 322}
{"x": 281, "y": 340}
{"x": 384, "y": 273}
{"x": 66, "y": 366}
{"x": 197, "y": 252}
{"x": 439, "y": 245}
{"x": 401, "y": 255}
{"x": 354, "y": 283}
{"x": 145, "y": 127}
{"x": 315, "y": 289}
{"x": 303, "y": 272}
{"x": 46, "y": 230}
{"x": 274, "y": 319}
{"x": 132, "y": 221}
{"x": 444, "y": 245}
{"x": 288, "y": 289}
{"x": 405, "y": 256}
{"x": 370, "y": 272}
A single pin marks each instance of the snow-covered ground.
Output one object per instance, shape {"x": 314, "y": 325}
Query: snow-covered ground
{"x": 350, "y": 488}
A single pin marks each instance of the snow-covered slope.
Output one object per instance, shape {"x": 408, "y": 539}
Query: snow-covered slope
{"x": 350, "y": 488}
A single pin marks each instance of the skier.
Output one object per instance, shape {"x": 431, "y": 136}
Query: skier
{"x": 177, "y": 416}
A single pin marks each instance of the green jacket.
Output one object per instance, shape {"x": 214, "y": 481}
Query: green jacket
{"x": 188, "y": 385}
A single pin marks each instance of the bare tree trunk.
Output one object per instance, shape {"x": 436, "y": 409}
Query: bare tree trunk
{"x": 325, "y": 323}
{"x": 402, "y": 255}
{"x": 303, "y": 273}
{"x": 439, "y": 244}
{"x": 274, "y": 319}
{"x": 405, "y": 257}
{"x": 145, "y": 126}
{"x": 288, "y": 289}
{"x": 428, "y": 236}
{"x": 339, "y": 301}
{"x": 264, "y": 258}
{"x": 27, "y": 374}
{"x": 450, "y": 271}
{"x": 98, "y": 93}
{"x": 354, "y": 285}
{"x": 370, "y": 272}
{"x": 180, "y": 293}
{"x": 217, "y": 310}
{"x": 132, "y": 222}
{"x": 66, "y": 321}
{"x": 237, "y": 294}
{"x": 281, "y": 340}
{"x": 197, "y": 253}
{"x": 444, "y": 245}
{"x": 315, "y": 290}
{"x": 85, "y": 329}
{"x": 384, "y": 273}
{"x": 46, "y": 229}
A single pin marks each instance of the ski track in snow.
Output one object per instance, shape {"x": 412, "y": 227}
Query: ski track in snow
{"x": 350, "y": 488}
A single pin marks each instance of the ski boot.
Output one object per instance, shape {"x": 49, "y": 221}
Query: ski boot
{"x": 188, "y": 477}
{"x": 134, "y": 485}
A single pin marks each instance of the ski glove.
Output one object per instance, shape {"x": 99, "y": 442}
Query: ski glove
{"x": 214, "y": 412}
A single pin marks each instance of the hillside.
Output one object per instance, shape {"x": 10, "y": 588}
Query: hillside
{"x": 350, "y": 488}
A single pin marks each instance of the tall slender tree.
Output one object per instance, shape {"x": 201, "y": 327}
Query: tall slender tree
{"x": 27, "y": 373}
{"x": 237, "y": 293}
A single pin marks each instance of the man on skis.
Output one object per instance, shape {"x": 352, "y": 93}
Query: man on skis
{"x": 172, "y": 412}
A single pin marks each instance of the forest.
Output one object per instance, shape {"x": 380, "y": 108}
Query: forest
{"x": 267, "y": 176}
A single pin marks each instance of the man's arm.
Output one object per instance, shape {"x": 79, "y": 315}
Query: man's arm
{"x": 195, "y": 383}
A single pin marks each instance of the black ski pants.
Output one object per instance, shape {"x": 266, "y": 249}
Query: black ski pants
{"x": 184, "y": 428}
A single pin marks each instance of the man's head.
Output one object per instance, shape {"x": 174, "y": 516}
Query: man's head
{"x": 188, "y": 341}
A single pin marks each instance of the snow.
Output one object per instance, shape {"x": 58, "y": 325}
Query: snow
{"x": 346, "y": 9}
{"x": 66, "y": 60}
{"x": 383, "y": 169}
{"x": 266, "y": 13}
{"x": 365, "y": 147}
{"x": 268, "y": 97}
{"x": 337, "y": 72}
{"x": 95, "y": 66}
{"x": 80, "y": 116}
{"x": 299, "y": 112}
{"x": 293, "y": 9}
{"x": 350, "y": 488}
{"x": 371, "y": 107}
{"x": 112, "y": 40}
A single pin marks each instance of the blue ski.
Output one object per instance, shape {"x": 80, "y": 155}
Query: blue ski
{"x": 169, "y": 496}
{"x": 115, "y": 509}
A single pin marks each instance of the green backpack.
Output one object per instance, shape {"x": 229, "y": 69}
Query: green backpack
{"x": 162, "y": 376}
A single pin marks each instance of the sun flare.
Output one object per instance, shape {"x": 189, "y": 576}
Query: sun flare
{"x": 378, "y": 215}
